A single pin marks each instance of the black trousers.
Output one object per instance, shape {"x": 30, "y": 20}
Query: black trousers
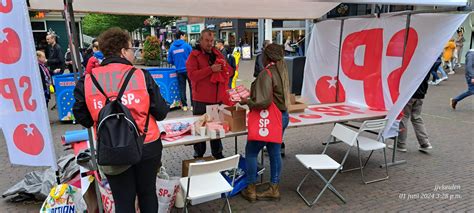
{"x": 182, "y": 78}
{"x": 139, "y": 180}
{"x": 200, "y": 148}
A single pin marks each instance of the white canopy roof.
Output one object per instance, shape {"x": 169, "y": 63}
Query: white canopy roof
{"x": 275, "y": 9}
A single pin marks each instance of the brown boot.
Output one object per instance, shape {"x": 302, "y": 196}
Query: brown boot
{"x": 272, "y": 193}
{"x": 250, "y": 193}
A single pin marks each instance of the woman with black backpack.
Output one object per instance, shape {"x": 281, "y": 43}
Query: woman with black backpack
{"x": 128, "y": 138}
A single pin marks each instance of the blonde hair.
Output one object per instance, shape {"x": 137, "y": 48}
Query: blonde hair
{"x": 40, "y": 53}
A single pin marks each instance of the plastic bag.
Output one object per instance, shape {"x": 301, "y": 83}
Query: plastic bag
{"x": 166, "y": 189}
{"x": 64, "y": 198}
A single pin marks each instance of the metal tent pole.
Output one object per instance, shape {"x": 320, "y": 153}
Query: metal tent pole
{"x": 73, "y": 45}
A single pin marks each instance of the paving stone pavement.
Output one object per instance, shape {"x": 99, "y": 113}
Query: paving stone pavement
{"x": 409, "y": 189}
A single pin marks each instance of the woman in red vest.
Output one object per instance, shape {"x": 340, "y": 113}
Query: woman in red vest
{"x": 142, "y": 97}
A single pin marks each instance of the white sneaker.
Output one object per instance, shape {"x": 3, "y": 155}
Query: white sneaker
{"x": 437, "y": 82}
{"x": 451, "y": 73}
{"x": 425, "y": 147}
{"x": 431, "y": 82}
{"x": 444, "y": 78}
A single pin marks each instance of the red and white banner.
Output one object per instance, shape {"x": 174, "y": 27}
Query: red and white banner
{"x": 371, "y": 72}
{"x": 24, "y": 116}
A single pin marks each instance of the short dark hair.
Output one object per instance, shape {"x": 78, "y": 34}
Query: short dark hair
{"x": 179, "y": 34}
{"x": 220, "y": 41}
{"x": 113, "y": 40}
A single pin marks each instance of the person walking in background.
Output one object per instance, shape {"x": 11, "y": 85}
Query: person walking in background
{"x": 177, "y": 56}
{"x": 288, "y": 49}
{"x": 270, "y": 86}
{"x": 54, "y": 55}
{"x": 95, "y": 59}
{"x": 459, "y": 46}
{"x": 259, "y": 60}
{"x": 209, "y": 73}
{"x": 469, "y": 80}
{"x": 127, "y": 182}
{"x": 448, "y": 56}
{"x": 46, "y": 80}
{"x": 230, "y": 58}
{"x": 68, "y": 60}
{"x": 434, "y": 72}
{"x": 412, "y": 111}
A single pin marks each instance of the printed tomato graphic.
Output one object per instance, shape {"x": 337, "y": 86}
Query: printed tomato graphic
{"x": 7, "y": 7}
{"x": 326, "y": 90}
{"x": 28, "y": 139}
{"x": 10, "y": 44}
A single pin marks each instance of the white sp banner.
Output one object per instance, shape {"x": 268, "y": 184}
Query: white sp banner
{"x": 24, "y": 119}
{"x": 371, "y": 72}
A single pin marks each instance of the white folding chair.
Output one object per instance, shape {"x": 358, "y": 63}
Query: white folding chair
{"x": 315, "y": 162}
{"x": 369, "y": 144}
{"x": 205, "y": 180}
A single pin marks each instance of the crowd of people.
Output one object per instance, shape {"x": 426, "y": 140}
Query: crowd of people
{"x": 208, "y": 69}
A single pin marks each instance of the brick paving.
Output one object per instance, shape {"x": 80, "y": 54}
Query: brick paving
{"x": 450, "y": 162}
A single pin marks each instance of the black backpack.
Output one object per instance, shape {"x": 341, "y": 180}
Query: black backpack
{"x": 119, "y": 141}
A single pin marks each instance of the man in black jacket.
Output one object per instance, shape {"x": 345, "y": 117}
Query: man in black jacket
{"x": 413, "y": 111}
{"x": 258, "y": 60}
{"x": 54, "y": 55}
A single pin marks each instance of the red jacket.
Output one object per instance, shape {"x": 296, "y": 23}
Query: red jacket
{"x": 199, "y": 70}
{"x": 91, "y": 64}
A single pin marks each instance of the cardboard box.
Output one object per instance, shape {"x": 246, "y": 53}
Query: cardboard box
{"x": 185, "y": 165}
{"x": 235, "y": 116}
{"x": 296, "y": 106}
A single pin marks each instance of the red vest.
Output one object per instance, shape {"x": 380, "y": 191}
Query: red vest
{"x": 135, "y": 98}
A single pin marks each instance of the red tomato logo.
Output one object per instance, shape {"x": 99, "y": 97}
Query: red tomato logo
{"x": 326, "y": 90}
{"x": 28, "y": 139}
{"x": 7, "y": 7}
{"x": 10, "y": 44}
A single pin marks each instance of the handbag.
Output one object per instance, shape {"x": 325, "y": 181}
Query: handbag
{"x": 64, "y": 198}
{"x": 265, "y": 125}
{"x": 166, "y": 189}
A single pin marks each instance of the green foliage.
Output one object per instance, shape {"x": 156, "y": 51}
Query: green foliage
{"x": 95, "y": 24}
{"x": 151, "y": 48}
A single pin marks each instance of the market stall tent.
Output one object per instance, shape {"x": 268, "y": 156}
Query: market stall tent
{"x": 274, "y": 9}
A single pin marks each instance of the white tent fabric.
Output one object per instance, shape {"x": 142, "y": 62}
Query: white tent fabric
{"x": 275, "y": 9}
{"x": 403, "y": 2}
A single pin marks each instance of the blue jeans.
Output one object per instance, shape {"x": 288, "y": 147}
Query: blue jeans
{"x": 253, "y": 148}
{"x": 434, "y": 69}
{"x": 182, "y": 78}
{"x": 443, "y": 73}
{"x": 469, "y": 92}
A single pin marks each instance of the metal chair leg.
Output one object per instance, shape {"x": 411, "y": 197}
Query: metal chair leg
{"x": 357, "y": 168}
{"x": 185, "y": 208}
{"x": 226, "y": 203}
{"x": 326, "y": 186}
{"x": 370, "y": 155}
{"x": 380, "y": 179}
{"x": 330, "y": 186}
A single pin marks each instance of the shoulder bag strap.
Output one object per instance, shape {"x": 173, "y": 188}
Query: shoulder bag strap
{"x": 97, "y": 85}
{"x": 125, "y": 83}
